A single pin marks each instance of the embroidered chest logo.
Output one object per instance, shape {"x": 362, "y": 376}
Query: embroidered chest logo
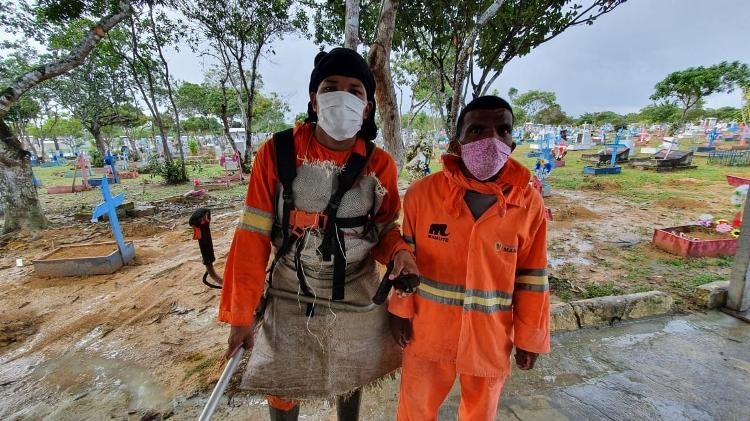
{"x": 505, "y": 247}
{"x": 439, "y": 232}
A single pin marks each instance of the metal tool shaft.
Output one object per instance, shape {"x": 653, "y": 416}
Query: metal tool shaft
{"x": 221, "y": 385}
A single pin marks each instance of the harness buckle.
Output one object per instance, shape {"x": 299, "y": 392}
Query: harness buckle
{"x": 301, "y": 220}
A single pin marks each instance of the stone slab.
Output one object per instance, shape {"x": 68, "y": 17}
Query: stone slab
{"x": 84, "y": 266}
{"x": 603, "y": 311}
{"x": 563, "y": 318}
{"x": 712, "y": 295}
{"x": 141, "y": 210}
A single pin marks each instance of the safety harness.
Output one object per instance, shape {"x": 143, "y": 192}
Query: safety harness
{"x": 295, "y": 223}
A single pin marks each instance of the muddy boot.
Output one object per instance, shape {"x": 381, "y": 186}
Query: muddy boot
{"x": 279, "y": 415}
{"x": 347, "y": 408}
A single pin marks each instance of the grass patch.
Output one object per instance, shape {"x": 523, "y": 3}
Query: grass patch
{"x": 697, "y": 262}
{"x": 603, "y": 290}
{"x": 689, "y": 284}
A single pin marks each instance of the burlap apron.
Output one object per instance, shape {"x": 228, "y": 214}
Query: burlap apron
{"x": 332, "y": 352}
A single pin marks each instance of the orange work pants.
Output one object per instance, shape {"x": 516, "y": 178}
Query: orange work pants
{"x": 281, "y": 404}
{"x": 425, "y": 384}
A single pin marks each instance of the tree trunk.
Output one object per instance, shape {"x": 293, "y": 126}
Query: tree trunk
{"x": 96, "y": 131}
{"x": 169, "y": 92}
{"x": 351, "y": 28}
{"x": 462, "y": 65}
{"x": 57, "y": 144}
{"x": 251, "y": 105}
{"x": 379, "y": 59}
{"x": 17, "y": 191}
{"x": 10, "y": 95}
{"x": 225, "y": 120}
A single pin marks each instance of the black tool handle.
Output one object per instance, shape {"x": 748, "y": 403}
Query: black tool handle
{"x": 385, "y": 286}
{"x": 206, "y": 244}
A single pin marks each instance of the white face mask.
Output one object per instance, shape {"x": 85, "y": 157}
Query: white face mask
{"x": 340, "y": 114}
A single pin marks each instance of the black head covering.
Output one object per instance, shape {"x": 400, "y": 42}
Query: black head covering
{"x": 344, "y": 62}
{"x": 488, "y": 102}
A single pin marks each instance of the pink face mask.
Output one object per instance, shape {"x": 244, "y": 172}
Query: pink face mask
{"x": 485, "y": 157}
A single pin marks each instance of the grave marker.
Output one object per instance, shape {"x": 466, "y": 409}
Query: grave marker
{"x": 109, "y": 208}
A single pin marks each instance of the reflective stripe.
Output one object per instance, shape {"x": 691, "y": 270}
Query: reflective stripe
{"x": 256, "y": 220}
{"x": 488, "y": 302}
{"x": 532, "y": 280}
{"x": 457, "y": 295}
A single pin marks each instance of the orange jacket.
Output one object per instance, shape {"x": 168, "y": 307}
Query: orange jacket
{"x": 245, "y": 272}
{"x": 484, "y": 283}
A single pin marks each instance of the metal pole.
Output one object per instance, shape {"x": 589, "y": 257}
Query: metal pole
{"x": 221, "y": 385}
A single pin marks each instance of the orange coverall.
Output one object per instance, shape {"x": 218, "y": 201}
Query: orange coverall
{"x": 483, "y": 289}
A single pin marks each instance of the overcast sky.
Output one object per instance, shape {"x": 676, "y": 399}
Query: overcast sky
{"x": 611, "y": 65}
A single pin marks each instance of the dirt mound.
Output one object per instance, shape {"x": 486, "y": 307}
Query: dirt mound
{"x": 16, "y": 330}
{"x": 573, "y": 213}
{"x": 680, "y": 203}
{"x": 143, "y": 229}
{"x": 596, "y": 184}
{"x": 679, "y": 182}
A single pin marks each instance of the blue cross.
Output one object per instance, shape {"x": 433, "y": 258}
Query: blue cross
{"x": 110, "y": 160}
{"x": 712, "y": 136}
{"x": 109, "y": 207}
{"x": 615, "y": 146}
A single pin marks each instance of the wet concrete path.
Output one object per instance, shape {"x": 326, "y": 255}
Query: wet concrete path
{"x": 694, "y": 367}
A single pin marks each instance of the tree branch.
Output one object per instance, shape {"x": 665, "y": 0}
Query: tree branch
{"x": 23, "y": 83}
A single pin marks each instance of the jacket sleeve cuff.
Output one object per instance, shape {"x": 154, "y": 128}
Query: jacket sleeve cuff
{"x": 532, "y": 339}
{"x": 390, "y": 243}
{"x": 401, "y": 306}
{"x": 236, "y": 318}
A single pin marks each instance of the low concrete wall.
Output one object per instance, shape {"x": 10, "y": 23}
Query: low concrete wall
{"x": 604, "y": 311}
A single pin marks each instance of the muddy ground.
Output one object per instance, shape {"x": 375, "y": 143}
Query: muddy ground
{"x": 144, "y": 343}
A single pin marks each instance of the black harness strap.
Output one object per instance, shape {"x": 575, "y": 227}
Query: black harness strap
{"x": 286, "y": 172}
{"x": 333, "y": 243}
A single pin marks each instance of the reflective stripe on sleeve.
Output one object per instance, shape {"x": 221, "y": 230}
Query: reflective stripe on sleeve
{"x": 532, "y": 280}
{"x": 256, "y": 220}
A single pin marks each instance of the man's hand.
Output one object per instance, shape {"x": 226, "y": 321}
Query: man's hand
{"x": 401, "y": 330}
{"x": 524, "y": 359}
{"x": 403, "y": 264}
{"x": 239, "y": 336}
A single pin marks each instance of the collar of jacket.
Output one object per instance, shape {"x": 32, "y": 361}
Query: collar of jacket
{"x": 509, "y": 187}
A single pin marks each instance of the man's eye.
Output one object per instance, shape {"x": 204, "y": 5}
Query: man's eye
{"x": 356, "y": 92}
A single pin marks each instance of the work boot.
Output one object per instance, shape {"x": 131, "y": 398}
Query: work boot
{"x": 279, "y": 415}
{"x": 347, "y": 407}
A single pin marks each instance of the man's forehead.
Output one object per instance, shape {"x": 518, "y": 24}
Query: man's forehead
{"x": 485, "y": 115}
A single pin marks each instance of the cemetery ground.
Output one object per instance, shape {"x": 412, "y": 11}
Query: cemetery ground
{"x": 144, "y": 343}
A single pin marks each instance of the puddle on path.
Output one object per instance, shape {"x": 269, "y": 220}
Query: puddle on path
{"x": 77, "y": 374}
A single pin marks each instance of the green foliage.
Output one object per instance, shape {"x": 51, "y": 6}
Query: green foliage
{"x": 602, "y": 117}
{"x": 193, "y": 146}
{"x": 95, "y": 156}
{"x": 171, "y": 172}
{"x": 201, "y": 125}
{"x": 691, "y": 85}
{"x": 666, "y": 112}
{"x": 593, "y": 291}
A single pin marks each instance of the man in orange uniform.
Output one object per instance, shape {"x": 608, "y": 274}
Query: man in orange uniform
{"x": 478, "y": 231}
{"x": 320, "y": 336}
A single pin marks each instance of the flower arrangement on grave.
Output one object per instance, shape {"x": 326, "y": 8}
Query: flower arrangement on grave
{"x": 541, "y": 172}
{"x": 723, "y": 226}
